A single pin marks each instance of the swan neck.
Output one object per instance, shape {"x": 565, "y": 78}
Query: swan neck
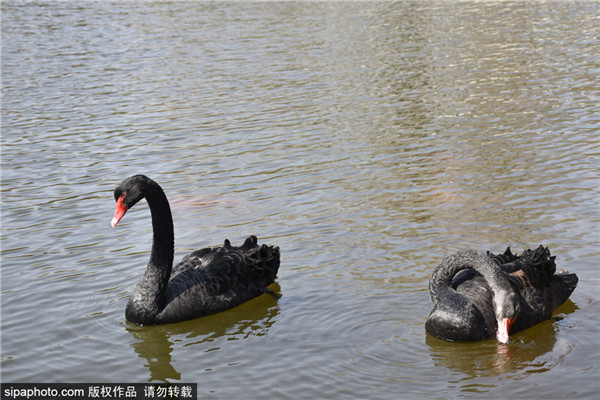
{"x": 163, "y": 242}
{"x": 149, "y": 296}
{"x": 441, "y": 278}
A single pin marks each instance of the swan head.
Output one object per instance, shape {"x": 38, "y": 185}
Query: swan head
{"x": 129, "y": 192}
{"x": 506, "y": 306}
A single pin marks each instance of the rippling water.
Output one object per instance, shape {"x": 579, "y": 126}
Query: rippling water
{"x": 367, "y": 140}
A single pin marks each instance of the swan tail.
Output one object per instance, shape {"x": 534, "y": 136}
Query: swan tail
{"x": 264, "y": 259}
{"x": 562, "y": 286}
{"x": 569, "y": 280}
{"x": 537, "y": 273}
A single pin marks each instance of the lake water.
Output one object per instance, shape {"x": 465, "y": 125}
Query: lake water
{"x": 368, "y": 140}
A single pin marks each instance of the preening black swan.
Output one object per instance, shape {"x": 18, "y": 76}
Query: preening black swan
{"x": 478, "y": 295}
{"x": 207, "y": 281}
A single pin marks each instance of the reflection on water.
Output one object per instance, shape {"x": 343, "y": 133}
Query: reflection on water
{"x": 528, "y": 352}
{"x": 155, "y": 347}
{"x": 155, "y": 343}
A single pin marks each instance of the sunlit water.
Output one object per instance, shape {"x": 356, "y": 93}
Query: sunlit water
{"x": 368, "y": 140}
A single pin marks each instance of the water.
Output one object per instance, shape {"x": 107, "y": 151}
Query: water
{"x": 367, "y": 140}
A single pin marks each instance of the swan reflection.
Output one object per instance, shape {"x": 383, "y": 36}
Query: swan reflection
{"x": 155, "y": 344}
{"x": 534, "y": 350}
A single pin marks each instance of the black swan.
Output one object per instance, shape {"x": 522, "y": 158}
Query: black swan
{"x": 205, "y": 282}
{"x": 477, "y": 296}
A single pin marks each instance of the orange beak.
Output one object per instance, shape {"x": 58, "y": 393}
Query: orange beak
{"x": 120, "y": 210}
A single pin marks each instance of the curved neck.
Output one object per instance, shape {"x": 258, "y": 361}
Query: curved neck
{"x": 150, "y": 290}
{"x": 440, "y": 284}
{"x": 163, "y": 243}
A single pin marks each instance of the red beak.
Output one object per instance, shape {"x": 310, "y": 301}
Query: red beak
{"x": 120, "y": 210}
{"x": 503, "y": 327}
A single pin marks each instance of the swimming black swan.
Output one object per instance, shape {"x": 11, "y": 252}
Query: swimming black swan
{"x": 478, "y": 295}
{"x": 205, "y": 282}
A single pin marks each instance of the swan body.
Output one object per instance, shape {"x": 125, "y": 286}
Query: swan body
{"x": 477, "y": 296}
{"x": 205, "y": 282}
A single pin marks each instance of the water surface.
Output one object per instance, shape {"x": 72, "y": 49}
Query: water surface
{"x": 367, "y": 140}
